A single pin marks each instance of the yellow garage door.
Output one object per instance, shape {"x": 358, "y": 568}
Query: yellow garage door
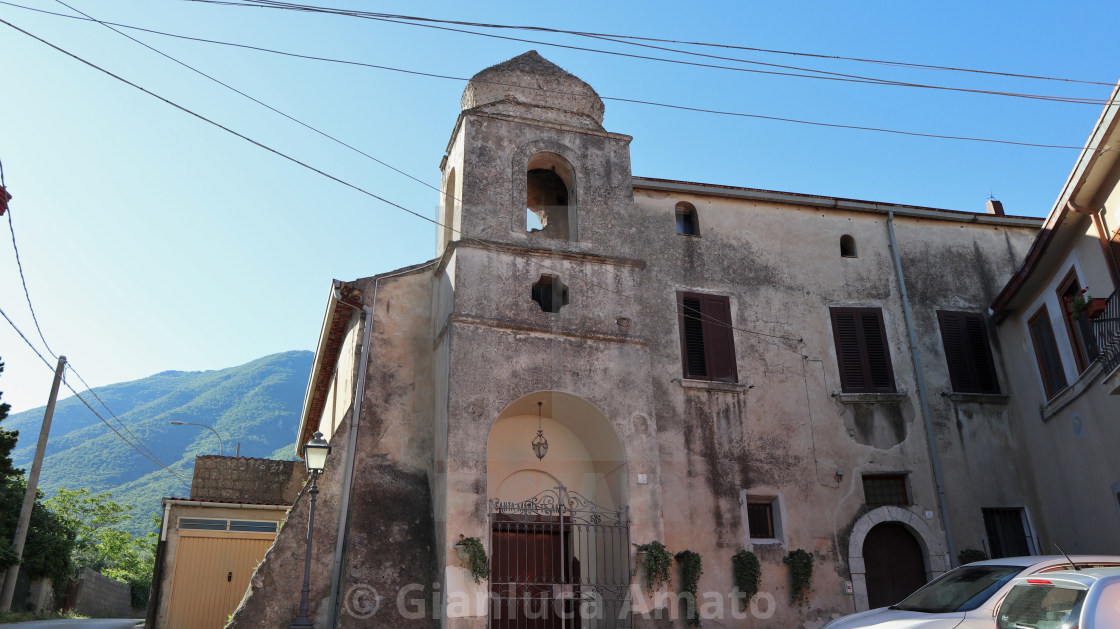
{"x": 211, "y": 575}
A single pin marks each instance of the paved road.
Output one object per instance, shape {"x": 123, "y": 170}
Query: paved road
{"x": 72, "y": 623}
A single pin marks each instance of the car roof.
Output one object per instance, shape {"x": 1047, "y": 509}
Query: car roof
{"x": 1085, "y": 577}
{"x": 1032, "y": 560}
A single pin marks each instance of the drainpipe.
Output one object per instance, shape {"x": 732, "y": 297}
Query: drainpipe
{"x": 923, "y": 396}
{"x": 348, "y": 468}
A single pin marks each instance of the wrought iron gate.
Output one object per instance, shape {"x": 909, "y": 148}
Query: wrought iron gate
{"x": 559, "y": 561}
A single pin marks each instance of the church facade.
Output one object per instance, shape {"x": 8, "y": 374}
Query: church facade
{"x": 594, "y": 362}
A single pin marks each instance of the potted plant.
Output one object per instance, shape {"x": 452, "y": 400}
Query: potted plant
{"x": 1082, "y": 303}
{"x": 1095, "y": 308}
{"x": 472, "y": 554}
{"x": 656, "y": 560}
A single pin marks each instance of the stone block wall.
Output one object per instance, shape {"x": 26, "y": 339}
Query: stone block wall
{"x": 99, "y": 596}
{"x": 244, "y": 479}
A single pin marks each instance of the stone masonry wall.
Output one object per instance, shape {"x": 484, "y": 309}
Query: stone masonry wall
{"x": 100, "y": 596}
{"x": 244, "y": 479}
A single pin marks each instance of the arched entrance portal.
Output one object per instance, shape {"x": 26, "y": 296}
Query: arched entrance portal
{"x": 559, "y": 526}
{"x": 895, "y": 564}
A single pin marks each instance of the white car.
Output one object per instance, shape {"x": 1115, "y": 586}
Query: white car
{"x": 1088, "y": 599}
{"x": 966, "y": 597}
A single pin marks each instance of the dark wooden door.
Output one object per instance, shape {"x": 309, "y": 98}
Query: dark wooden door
{"x": 526, "y": 572}
{"x": 894, "y": 563}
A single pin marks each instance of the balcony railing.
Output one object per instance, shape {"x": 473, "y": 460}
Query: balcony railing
{"x": 1107, "y": 330}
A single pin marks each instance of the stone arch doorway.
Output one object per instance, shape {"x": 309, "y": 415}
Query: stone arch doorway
{"x": 931, "y": 544}
{"x": 559, "y": 526}
{"x": 895, "y": 564}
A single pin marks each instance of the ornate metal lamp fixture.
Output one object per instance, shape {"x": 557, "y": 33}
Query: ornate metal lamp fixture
{"x": 540, "y": 444}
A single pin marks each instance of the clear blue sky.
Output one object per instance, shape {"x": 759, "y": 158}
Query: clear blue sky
{"x": 152, "y": 241}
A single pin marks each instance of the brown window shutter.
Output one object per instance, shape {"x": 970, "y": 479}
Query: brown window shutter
{"x": 1046, "y": 351}
{"x": 707, "y": 338}
{"x": 719, "y": 340}
{"x": 861, "y": 350}
{"x": 848, "y": 350}
{"x": 967, "y": 352}
{"x": 956, "y": 351}
{"x": 983, "y": 366}
{"x": 692, "y": 337}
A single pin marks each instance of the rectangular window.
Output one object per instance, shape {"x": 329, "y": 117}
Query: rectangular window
{"x": 967, "y": 352}
{"x": 1046, "y": 351}
{"x": 862, "y": 351}
{"x": 760, "y": 519}
{"x": 212, "y": 524}
{"x": 880, "y": 490}
{"x": 1007, "y": 533}
{"x": 707, "y": 342}
{"x": 1080, "y": 331}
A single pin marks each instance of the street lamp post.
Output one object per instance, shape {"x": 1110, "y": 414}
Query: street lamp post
{"x": 221, "y": 447}
{"x": 315, "y": 454}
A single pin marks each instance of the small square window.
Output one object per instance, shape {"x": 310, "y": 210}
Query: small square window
{"x": 760, "y": 519}
{"x": 882, "y": 490}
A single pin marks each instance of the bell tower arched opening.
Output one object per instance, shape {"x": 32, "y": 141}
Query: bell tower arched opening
{"x": 549, "y": 187}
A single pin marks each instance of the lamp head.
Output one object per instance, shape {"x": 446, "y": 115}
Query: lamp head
{"x": 315, "y": 453}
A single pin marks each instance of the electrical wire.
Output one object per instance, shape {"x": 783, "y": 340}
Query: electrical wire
{"x": 730, "y": 46}
{"x": 700, "y": 316}
{"x": 83, "y": 401}
{"x": 19, "y": 265}
{"x": 308, "y": 166}
{"x": 42, "y": 337}
{"x": 548, "y": 91}
{"x": 847, "y": 79}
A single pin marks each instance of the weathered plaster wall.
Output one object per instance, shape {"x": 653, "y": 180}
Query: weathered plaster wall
{"x": 273, "y": 596}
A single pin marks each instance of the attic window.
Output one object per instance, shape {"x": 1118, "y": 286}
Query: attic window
{"x": 687, "y": 223}
{"x": 548, "y": 187}
{"x": 550, "y": 293}
{"x": 847, "y": 247}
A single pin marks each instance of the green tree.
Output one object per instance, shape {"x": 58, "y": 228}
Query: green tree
{"x": 50, "y": 538}
{"x": 7, "y": 440}
{"x": 103, "y": 547}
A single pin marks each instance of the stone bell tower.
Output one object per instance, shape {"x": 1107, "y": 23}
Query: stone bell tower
{"x": 530, "y": 163}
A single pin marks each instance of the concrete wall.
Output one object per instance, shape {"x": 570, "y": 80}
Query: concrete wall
{"x": 99, "y": 596}
{"x": 248, "y": 480}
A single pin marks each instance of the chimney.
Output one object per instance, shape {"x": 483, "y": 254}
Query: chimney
{"x": 994, "y": 207}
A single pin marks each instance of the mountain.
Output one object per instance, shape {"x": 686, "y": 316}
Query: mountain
{"x": 256, "y": 404}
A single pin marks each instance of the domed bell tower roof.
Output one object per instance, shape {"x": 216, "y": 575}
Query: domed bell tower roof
{"x": 531, "y": 80}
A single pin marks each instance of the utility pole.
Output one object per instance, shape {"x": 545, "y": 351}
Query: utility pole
{"x": 29, "y": 495}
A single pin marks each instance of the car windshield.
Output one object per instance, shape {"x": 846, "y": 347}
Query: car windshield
{"x": 1040, "y": 607}
{"x": 961, "y": 590}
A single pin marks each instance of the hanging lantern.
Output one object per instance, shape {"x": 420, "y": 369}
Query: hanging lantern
{"x": 540, "y": 444}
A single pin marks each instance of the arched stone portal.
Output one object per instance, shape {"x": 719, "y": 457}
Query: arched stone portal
{"x": 931, "y": 542}
{"x": 584, "y": 452}
{"x": 559, "y": 526}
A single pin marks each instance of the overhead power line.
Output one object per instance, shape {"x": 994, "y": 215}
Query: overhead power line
{"x": 545, "y": 90}
{"x": 324, "y": 173}
{"x": 412, "y": 21}
{"x": 904, "y": 64}
{"x": 42, "y": 337}
{"x": 84, "y": 402}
